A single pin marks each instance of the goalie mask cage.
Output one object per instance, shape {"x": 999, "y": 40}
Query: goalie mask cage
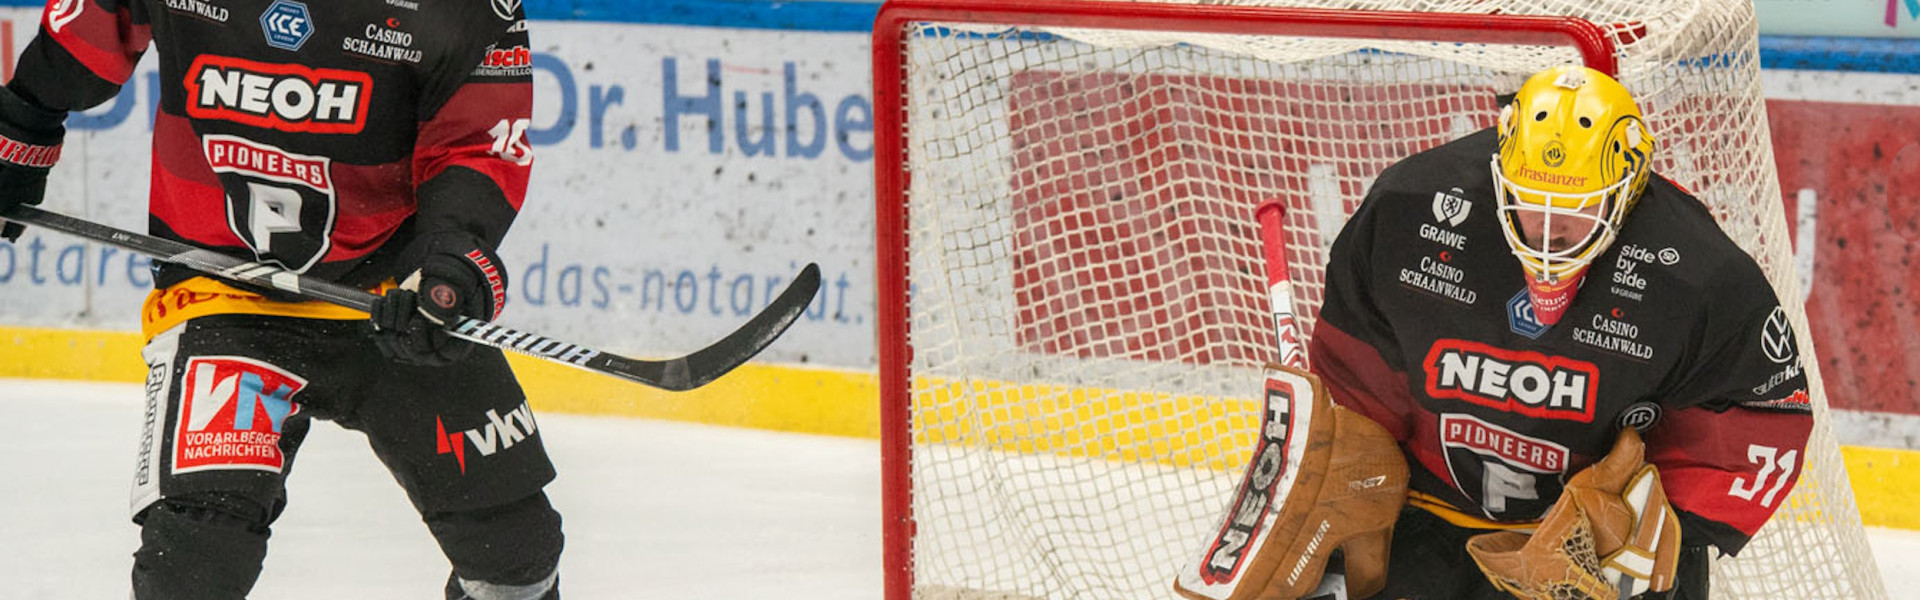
{"x": 1072, "y": 309}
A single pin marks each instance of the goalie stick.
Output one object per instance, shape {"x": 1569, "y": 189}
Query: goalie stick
{"x": 1273, "y": 240}
{"x": 676, "y": 374}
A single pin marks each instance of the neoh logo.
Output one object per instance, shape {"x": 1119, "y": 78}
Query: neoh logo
{"x": 1527, "y": 383}
{"x": 287, "y": 24}
{"x": 233, "y": 414}
{"x": 497, "y": 434}
{"x": 277, "y": 96}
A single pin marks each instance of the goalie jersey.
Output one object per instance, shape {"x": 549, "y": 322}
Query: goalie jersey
{"x": 1426, "y": 328}
{"x": 317, "y": 136}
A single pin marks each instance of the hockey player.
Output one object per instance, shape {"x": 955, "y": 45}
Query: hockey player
{"x": 1507, "y": 304}
{"x": 376, "y": 143}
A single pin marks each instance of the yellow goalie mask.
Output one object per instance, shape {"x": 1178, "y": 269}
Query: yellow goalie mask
{"x": 1573, "y": 159}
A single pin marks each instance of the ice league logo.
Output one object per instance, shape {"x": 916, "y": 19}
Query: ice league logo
{"x": 287, "y": 24}
{"x": 233, "y": 414}
{"x": 1520, "y": 317}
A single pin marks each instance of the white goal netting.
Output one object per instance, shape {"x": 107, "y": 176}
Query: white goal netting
{"x": 1084, "y": 297}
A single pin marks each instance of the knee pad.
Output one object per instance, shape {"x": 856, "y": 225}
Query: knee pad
{"x": 200, "y": 546}
{"x": 511, "y": 545}
{"x": 1322, "y": 477}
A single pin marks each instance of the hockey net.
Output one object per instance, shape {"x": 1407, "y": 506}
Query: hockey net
{"x": 1072, "y": 304}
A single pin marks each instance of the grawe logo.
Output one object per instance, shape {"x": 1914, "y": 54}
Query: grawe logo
{"x": 1527, "y": 383}
{"x": 499, "y": 433}
{"x": 232, "y": 415}
{"x": 278, "y": 96}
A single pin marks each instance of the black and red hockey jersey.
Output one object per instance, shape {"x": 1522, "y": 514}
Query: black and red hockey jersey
{"x": 319, "y": 136}
{"x": 1426, "y": 328}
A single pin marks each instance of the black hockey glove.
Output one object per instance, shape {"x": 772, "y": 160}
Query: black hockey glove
{"x": 29, "y": 144}
{"x": 457, "y": 276}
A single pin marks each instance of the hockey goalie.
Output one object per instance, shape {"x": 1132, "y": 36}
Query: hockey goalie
{"x": 1550, "y": 374}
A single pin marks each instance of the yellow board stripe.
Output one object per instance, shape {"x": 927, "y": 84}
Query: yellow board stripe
{"x": 1886, "y": 482}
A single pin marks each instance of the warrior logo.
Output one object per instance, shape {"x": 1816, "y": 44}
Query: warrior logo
{"x": 280, "y": 203}
{"x": 233, "y": 414}
{"x": 275, "y": 96}
{"x": 1527, "y": 383}
{"x": 499, "y": 433}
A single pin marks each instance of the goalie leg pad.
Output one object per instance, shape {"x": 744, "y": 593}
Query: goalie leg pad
{"x": 1322, "y": 478}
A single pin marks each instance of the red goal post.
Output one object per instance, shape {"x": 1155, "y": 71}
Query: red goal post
{"x": 1068, "y": 270}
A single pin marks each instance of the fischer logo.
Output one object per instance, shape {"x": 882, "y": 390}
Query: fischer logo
{"x": 505, "y": 62}
{"x": 1526, "y": 383}
{"x": 233, "y": 414}
{"x": 287, "y": 24}
{"x": 499, "y": 433}
{"x": 277, "y": 96}
{"x": 1228, "y": 552}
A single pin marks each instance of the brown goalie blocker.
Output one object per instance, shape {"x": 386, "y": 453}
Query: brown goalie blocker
{"x": 1322, "y": 477}
{"x": 1612, "y": 531}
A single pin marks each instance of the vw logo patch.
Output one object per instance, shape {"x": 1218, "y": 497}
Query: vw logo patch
{"x": 1776, "y": 337}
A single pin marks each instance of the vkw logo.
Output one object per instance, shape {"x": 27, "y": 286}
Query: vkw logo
{"x": 287, "y": 24}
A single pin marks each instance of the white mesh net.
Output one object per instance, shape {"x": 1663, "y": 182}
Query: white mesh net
{"x": 1087, "y": 313}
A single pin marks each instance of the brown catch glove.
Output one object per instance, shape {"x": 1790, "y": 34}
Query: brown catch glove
{"x": 1612, "y": 529}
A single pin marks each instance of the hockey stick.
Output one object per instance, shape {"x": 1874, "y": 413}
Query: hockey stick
{"x": 677, "y": 374}
{"x": 1273, "y": 239}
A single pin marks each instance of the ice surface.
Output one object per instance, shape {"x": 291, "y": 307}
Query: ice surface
{"x": 653, "y": 510}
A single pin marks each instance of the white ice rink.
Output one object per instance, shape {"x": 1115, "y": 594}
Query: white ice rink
{"x": 653, "y": 510}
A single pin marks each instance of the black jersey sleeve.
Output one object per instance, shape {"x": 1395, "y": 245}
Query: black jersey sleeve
{"x": 1733, "y": 442}
{"x": 85, "y": 51}
{"x": 1353, "y": 343}
{"x": 472, "y": 156}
